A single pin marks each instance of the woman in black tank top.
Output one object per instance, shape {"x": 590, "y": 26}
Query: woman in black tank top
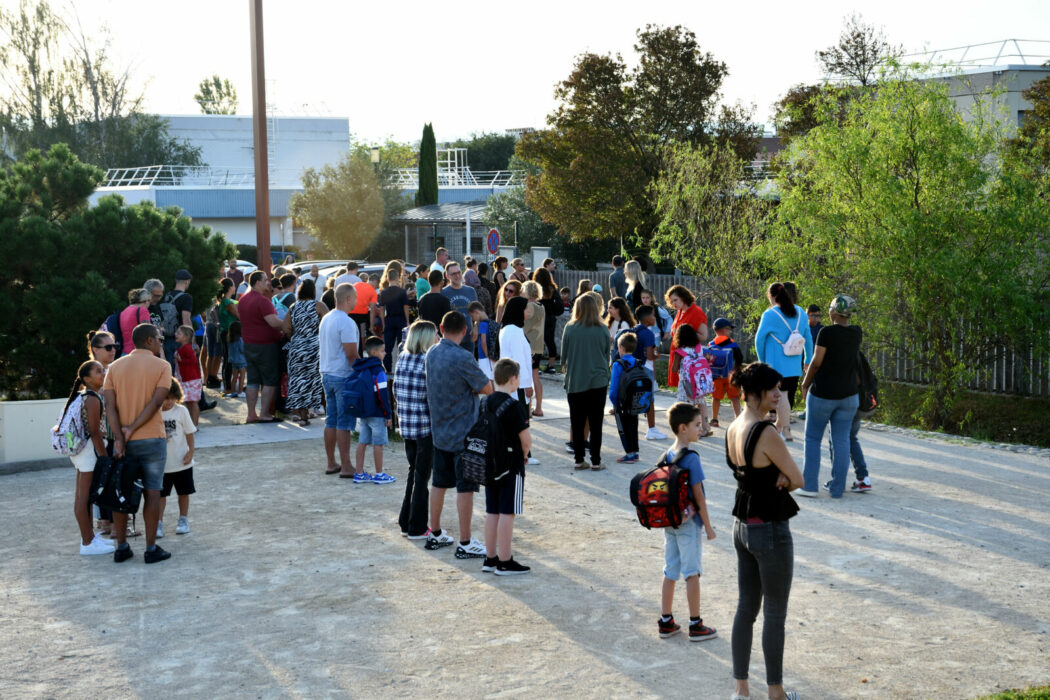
{"x": 765, "y": 474}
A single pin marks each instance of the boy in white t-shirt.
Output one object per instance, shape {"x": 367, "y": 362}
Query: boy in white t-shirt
{"x": 178, "y": 469}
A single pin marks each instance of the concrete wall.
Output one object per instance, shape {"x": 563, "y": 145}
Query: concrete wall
{"x": 242, "y": 231}
{"x": 25, "y": 428}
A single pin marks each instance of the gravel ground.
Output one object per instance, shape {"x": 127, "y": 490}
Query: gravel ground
{"x": 297, "y": 584}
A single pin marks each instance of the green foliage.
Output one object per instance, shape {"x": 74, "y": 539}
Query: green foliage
{"x": 487, "y": 151}
{"x": 861, "y": 52}
{"x": 70, "y": 265}
{"x": 62, "y": 88}
{"x": 797, "y": 111}
{"x": 341, "y": 205}
{"x": 913, "y": 210}
{"x": 604, "y": 143}
{"x": 711, "y": 221}
{"x": 216, "y": 96}
{"x": 1033, "y": 138}
{"x": 1040, "y": 693}
{"x": 428, "y": 170}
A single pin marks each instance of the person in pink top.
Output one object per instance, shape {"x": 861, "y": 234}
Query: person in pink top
{"x": 137, "y": 312}
{"x": 261, "y": 332}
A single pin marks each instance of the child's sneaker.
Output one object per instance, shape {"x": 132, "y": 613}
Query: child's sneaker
{"x": 511, "y": 568}
{"x": 362, "y": 478}
{"x": 382, "y": 478}
{"x": 862, "y": 486}
{"x": 436, "y": 540}
{"x": 669, "y": 628}
{"x": 655, "y": 434}
{"x": 183, "y": 528}
{"x": 490, "y": 564}
{"x": 698, "y": 632}
{"x": 628, "y": 459}
{"x": 470, "y": 550}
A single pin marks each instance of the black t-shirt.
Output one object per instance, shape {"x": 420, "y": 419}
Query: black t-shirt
{"x": 183, "y": 302}
{"x": 395, "y": 299}
{"x": 433, "y": 307}
{"x": 512, "y": 422}
{"x": 837, "y": 376}
{"x": 328, "y": 299}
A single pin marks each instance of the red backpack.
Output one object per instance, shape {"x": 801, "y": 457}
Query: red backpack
{"x": 661, "y": 494}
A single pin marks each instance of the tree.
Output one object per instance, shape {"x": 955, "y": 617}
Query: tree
{"x": 913, "y": 210}
{"x": 711, "y": 222}
{"x": 487, "y": 152}
{"x": 1033, "y": 136}
{"x": 216, "y": 96}
{"x": 428, "y": 169}
{"x": 61, "y": 87}
{"x": 341, "y": 205}
{"x": 70, "y": 265}
{"x": 797, "y": 111}
{"x": 393, "y": 156}
{"x": 602, "y": 148}
{"x": 862, "y": 50}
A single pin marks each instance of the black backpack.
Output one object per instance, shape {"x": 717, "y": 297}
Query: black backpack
{"x": 115, "y": 485}
{"x": 869, "y": 387}
{"x": 485, "y": 441}
{"x": 112, "y": 326}
{"x": 635, "y": 393}
{"x": 492, "y": 341}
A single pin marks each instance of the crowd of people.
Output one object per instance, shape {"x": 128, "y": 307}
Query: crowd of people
{"x": 434, "y": 348}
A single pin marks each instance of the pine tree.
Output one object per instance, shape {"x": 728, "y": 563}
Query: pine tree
{"x": 428, "y": 173}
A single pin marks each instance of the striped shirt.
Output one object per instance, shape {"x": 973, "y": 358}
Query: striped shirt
{"x": 410, "y": 391}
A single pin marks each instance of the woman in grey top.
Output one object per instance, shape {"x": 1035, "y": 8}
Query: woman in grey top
{"x": 585, "y": 344}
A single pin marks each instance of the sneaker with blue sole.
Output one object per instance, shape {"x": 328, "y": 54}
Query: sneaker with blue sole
{"x": 363, "y": 478}
{"x": 383, "y": 478}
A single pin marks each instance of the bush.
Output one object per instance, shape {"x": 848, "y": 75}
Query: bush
{"x": 71, "y": 265}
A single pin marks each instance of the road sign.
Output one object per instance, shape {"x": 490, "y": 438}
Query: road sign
{"x": 493, "y": 241}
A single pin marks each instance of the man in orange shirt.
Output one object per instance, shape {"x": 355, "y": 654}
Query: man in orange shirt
{"x": 363, "y": 312}
{"x": 134, "y": 389}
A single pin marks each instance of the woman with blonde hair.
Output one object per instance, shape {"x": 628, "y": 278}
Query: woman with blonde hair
{"x": 534, "y": 325}
{"x": 510, "y": 289}
{"x": 584, "y": 345}
{"x": 413, "y": 417}
{"x": 519, "y": 273}
{"x": 635, "y": 283}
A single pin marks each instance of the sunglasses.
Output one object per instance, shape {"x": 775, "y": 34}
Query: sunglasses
{"x": 109, "y": 346}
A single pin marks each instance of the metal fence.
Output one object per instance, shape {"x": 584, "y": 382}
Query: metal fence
{"x": 1022, "y": 373}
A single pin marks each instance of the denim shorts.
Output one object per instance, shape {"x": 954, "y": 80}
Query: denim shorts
{"x": 150, "y": 454}
{"x": 337, "y": 416}
{"x": 682, "y": 550}
{"x": 373, "y": 431}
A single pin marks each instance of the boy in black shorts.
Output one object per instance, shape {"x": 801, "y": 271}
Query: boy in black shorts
{"x": 504, "y": 497}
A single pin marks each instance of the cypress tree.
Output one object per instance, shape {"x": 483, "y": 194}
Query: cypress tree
{"x": 428, "y": 172}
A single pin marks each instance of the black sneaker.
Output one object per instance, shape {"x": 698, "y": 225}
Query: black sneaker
{"x": 156, "y": 555}
{"x": 667, "y": 629}
{"x": 213, "y": 382}
{"x": 490, "y": 565}
{"x": 700, "y": 633}
{"x": 511, "y": 568}
{"x": 122, "y": 554}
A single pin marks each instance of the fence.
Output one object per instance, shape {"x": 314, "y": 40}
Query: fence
{"x": 1009, "y": 372}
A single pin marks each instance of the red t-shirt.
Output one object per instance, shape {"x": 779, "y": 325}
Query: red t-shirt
{"x": 189, "y": 366}
{"x": 695, "y": 317}
{"x": 254, "y": 308}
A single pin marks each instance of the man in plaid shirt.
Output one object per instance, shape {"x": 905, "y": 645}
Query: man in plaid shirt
{"x": 413, "y": 415}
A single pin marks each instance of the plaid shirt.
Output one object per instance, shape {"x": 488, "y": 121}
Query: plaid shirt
{"x": 410, "y": 391}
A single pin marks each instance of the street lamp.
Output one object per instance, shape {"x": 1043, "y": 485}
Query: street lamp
{"x": 375, "y": 156}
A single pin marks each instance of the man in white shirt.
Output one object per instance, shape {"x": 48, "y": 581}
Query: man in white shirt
{"x": 317, "y": 278}
{"x": 440, "y": 259}
{"x": 337, "y": 344}
{"x": 351, "y": 275}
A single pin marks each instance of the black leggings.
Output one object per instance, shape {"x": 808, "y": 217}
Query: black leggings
{"x": 548, "y": 336}
{"x": 790, "y": 385}
{"x": 586, "y": 407}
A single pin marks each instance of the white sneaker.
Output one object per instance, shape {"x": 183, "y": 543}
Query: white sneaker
{"x": 655, "y": 434}
{"x": 97, "y": 546}
{"x": 807, "y": 494}
{"x": 160, "y": 529}
{"x": 532, "y": 461}
{"x": 183, "y": 528}
{"x": 471, "y": 550}
{"x": 106, "y": 540}
{"x": 439, "y": 539}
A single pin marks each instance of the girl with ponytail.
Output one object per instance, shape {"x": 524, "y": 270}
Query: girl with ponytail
{"x": 89, "y": 382}
{"x": 780, "y": 322}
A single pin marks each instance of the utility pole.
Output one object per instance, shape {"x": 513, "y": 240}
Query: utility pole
{"x": 262, "y": 178}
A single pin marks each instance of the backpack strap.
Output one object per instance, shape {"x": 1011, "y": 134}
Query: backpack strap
{"x": 752, "y": 441}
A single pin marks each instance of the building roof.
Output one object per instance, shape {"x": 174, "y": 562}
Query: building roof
{"x": 447, "y": 213}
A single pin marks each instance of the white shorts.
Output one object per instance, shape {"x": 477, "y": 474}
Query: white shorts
{"x": 85, "y": 460}
{"x": 486, "y": 366}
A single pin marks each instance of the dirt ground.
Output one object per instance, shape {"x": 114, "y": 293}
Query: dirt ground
{"x": 297, "y": 584}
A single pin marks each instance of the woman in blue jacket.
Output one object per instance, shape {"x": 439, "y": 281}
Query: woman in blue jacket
{"x": 779, "y": 323}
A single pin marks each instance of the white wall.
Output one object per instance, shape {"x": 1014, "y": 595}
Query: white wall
{"x": 25, "y": 428}
{"x": 131, "y": 195}
{"x": 242, "y": 231}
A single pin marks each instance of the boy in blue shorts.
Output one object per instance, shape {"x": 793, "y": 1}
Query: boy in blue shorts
{"x": 373, "y": 429}
{"x": 682, "y": 544}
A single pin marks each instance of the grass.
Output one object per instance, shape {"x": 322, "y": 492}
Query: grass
{"x": 1040, "y": 693}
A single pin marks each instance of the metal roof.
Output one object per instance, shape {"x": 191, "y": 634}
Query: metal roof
{"x": 448, "y": 213}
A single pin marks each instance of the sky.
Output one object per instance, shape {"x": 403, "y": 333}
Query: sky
{"x": 470, "y": 67}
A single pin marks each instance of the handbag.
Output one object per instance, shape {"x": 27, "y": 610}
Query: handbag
{"x": 116, "y": 485}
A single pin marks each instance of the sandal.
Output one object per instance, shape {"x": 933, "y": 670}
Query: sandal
{"x": 538, "y": 413}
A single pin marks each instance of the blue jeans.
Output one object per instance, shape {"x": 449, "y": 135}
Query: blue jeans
{"x": 337, "y": 415}
{"x": 150, "y": 454}
{"x": 856, "y": 454}
{"x": 819, "y": 412}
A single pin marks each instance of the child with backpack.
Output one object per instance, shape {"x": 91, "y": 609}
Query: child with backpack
{"x": 80, "y": 434}
{"x": 505, "y": 490}
{"x": 238, "y": 365}
{"x": 628, "y": 378}
{"x": 724, "y": 355}
{"x": 178, "y": 468}
{"x": 189, "y": 367}
{"x": 647, "y": 353}
{"x": 695, "y": 379}
{"x": 370, "y": 404}
{"x": 682, "y": 544}
{"x": 487, "y": 349}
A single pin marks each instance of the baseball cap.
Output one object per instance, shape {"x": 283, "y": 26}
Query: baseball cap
{"x": 843, "y": 304}
{"x": 183, "y": 275}
{"x": 723, "y": 323}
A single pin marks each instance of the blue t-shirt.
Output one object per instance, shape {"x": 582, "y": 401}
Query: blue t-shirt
{"x": 483, "y": 329}
{"x": 691, "y": 463}
{"x": 646, "y": 339}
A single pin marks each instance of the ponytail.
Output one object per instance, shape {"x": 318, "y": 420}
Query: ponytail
{"x": 780, "y": 295}
{"x": 83, "y": 371}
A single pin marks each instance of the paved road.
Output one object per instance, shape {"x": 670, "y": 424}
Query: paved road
{"x": 935, "y": 585}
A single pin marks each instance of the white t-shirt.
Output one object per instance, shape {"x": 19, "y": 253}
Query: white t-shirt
{"x": 177, "y": 425}
{"x": 318, "y": 283}
{"x": 347, "y": 278}
{"x": 514, "y": 344}
{"x": 336, "y": 328}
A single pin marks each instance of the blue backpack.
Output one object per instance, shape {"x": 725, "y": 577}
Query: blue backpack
{"x": 721, "y": 359}
{"x": 361, "y": 392}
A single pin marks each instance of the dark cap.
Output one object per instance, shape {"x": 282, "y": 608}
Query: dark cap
{"x": 183, "y": 275}
{"x": 723, "y": 323}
